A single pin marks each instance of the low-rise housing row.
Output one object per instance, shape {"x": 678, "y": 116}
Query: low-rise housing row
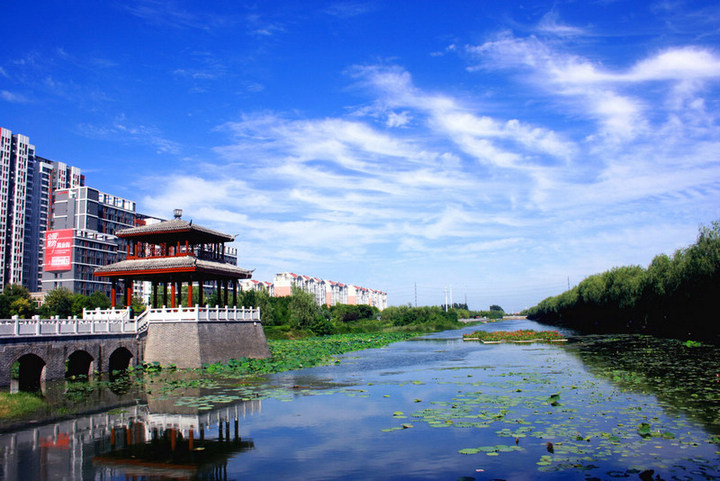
{"x": 325, "y": 292}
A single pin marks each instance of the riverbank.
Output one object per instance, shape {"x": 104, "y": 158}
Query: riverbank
{"x": 74, "y": 397}
{"x": 19, "y": 405}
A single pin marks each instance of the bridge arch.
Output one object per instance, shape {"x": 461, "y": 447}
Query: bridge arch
{"x": 119, "y": 360}
{"x": 79, "y": 363}
{"x": 31, "y": 373}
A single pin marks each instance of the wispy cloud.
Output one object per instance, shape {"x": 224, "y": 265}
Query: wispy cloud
{"x": 12, "y": 97}
{"x": 608, "y": 96}
{"x": 120, "y": 130}
{"x": 348, "y": 9}
{"x": 169, "y": 13}
{"x": 551, "y": 24}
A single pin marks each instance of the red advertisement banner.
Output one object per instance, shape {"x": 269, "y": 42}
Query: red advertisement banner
{"x": 58, "y": 250}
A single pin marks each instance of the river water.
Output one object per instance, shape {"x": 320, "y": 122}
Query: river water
{"x": 437, "y": 408}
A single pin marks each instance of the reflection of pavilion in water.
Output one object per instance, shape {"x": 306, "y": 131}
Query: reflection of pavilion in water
{"x": 134, "y": 443}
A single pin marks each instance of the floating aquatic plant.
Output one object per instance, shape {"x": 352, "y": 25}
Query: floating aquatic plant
{"x": 522, "y": 335}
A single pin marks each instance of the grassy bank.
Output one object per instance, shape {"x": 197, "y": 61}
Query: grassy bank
{"x": 18, "y": 405}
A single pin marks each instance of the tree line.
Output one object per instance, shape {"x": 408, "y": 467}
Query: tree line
{"x": 297, "y": 315}
{"x": 675, "y": 296}
{"x": 15, "y": 300}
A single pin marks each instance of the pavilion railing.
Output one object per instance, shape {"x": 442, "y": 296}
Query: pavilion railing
{"x": 203, "y": 314}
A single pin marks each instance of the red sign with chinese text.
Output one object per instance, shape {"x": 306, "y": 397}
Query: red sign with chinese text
{"x": 58, "y": 250}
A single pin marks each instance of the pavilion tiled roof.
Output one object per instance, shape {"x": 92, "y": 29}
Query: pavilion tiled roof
{"x": 174, "y": 226}
{"x": 148, "y": 266}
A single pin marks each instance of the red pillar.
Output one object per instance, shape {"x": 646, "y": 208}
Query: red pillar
{"x": 128, "y": 293}
{"x": 190, "y": 299}
{"x": 113, "y": 294}
{"x": 172, "y": 295}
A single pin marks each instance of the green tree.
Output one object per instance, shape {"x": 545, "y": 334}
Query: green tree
{"x": 58, "y": 302}
{"x": 79, "y": 302}
{"x": 137, "y": 305}
{"x": 22, "y": 307}
{"x": 11, "y": 304}
{"x": 303, "y": 309}
{"x": 98, "y": 299}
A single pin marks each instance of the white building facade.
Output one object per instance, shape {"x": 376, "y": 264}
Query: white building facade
{"x": 327, "y": 292}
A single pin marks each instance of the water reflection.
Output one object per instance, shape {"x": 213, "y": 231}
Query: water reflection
{"x": 134, "y": 442}
{"x": 685, "y": 379}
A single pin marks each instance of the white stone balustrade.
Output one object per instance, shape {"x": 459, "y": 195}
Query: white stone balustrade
{"x": 118, "y": 321}
{"x": 64, "y": 327}
{"x": 106, "y": 314}
{"x": 204, "y": 314}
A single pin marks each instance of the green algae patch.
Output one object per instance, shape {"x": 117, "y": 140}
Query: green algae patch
{"x": 288, "y": 355}
{"x": 522, "y": 335}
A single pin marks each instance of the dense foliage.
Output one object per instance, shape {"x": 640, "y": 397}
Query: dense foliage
{"x": 15, "y": 300}
{"x": 291, "y": 317}
{"x": 675, "y": 296}
{"x": 299, "y": 316}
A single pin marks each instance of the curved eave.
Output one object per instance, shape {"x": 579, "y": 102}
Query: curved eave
{"x": 167, "y": 267}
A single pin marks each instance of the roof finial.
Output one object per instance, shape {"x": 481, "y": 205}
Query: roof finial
{"x": 177, "y": 213}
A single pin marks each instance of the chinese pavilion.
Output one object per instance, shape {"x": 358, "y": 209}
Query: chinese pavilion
{"x": 171, "y": 254}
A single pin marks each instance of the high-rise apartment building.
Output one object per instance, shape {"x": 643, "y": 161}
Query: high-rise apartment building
{"x": 84, "y": 221}
{"x": 27, "y": 182}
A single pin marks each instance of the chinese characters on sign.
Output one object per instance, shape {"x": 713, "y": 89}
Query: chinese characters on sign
{"x": 58, "y": 250}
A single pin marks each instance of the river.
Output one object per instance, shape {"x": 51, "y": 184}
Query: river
{"x": 436, "y": 408}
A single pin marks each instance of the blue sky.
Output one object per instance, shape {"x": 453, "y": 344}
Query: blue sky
{"x": 501, "y": 150}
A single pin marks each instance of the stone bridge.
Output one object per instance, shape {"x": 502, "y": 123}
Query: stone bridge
{"x": 43, "y": 358}
{"x": 110, "y": 340}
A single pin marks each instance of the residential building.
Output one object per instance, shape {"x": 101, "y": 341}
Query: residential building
{"x": 84, "y": 221}
{"x": 26, "y": 185}
{"x": 254, "y": 285}
{"x": 328, "y": 292}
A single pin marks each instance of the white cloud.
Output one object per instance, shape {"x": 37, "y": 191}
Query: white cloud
{"x": 12, "y": 97}
{"x": 427, "y": 177}
{"x": 550, "y": 23}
